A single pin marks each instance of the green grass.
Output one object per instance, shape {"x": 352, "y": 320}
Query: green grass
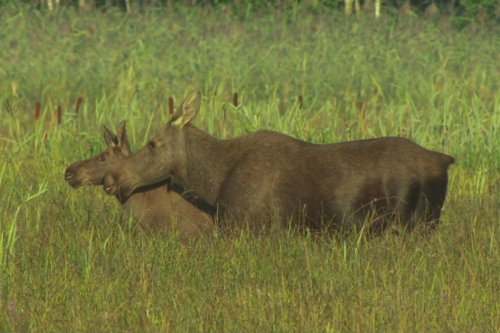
{"x": 69, "y": 261}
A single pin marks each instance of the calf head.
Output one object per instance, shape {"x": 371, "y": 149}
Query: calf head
{"x": 92, "y": 171}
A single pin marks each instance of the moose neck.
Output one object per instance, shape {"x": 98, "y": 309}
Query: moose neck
{"x": 142, "y": 191}
{"x": 208, "y": 161}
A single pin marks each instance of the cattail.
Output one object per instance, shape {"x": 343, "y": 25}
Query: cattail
{"x": 59, "y": 114}
{"x": 38, "y": 108}
{"x": 78, "y": 104}
{"x": 171, "y": 105}
{"x": 235, "y": 99}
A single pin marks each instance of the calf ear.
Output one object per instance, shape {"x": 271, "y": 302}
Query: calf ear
{"x": 188, "y": 110}
{"x": 123, "y": 137}
{"x": 110, "y": 137}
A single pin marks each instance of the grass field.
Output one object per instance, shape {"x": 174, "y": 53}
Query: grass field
{"x": 69, "y": 261}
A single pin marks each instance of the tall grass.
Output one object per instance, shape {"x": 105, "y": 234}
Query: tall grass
{"x": 70, "y": 261}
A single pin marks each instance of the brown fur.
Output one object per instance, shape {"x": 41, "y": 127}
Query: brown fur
{"x": 268, "y": 176}
{"x": 156, "y": 207}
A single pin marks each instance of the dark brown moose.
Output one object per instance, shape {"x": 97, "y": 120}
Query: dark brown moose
{"x": 267, "y": 177}
{"x": 155, "y": 207}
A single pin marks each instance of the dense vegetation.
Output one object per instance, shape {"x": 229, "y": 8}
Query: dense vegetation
{"x": 71, "y": 262}
{"x": 464, "y": 12}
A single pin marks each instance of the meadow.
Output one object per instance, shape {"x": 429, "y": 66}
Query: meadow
{"x": 70, "y": 260}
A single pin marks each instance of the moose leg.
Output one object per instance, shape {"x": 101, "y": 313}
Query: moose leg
{"x": 408, "y": 206}
{"x": 434, "y": 196}
{"x": 243, "y": 212}
{"x": 400, "y": 209}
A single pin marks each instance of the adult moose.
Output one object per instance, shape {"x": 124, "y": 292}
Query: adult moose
{"x": 156, "y": 207}
{"x": 266, "y": 176}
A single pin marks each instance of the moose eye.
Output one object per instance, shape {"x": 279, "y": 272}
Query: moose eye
{"x": 102, "y": 158}
{"x": 152, "y": 144}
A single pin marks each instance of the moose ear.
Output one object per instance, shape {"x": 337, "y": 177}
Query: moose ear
{"x": 188, "y": 110}
{"x": 122, "y": 136}
{"x": 110, "y": 137}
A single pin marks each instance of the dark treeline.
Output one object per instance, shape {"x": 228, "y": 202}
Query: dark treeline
{"x": 480, "y": 11}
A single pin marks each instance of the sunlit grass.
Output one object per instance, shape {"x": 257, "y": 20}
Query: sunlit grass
{"x": 70, "y": 261}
